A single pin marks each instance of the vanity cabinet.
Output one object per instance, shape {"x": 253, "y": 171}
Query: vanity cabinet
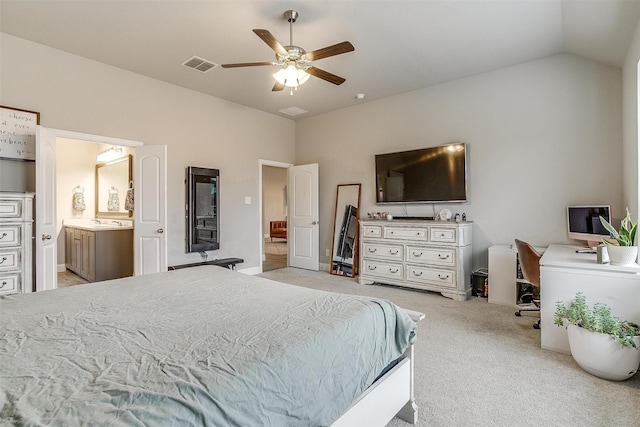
{"x": 16, "y": 243}
{"x": 98, "y": 255}
{"x": 429, "y": 255}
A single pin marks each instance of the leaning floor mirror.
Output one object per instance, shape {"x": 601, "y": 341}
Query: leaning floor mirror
{"x": 344, "y": 253}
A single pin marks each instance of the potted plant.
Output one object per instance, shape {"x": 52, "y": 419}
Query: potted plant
{"x": 621, "y": 251}
{"x": 600, "y": 343}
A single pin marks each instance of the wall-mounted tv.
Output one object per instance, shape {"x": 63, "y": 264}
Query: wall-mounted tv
{"x": 429, "y": 175}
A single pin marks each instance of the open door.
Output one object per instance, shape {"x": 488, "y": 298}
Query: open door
{"x": 303, "y": 229}
{"x": 46, "y": 251}
{"x": 150, "y": 209}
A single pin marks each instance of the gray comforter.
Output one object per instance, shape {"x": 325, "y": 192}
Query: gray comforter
{"x": 198, "y": 346}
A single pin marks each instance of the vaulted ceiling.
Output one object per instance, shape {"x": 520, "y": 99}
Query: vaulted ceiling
{"x": 400, "y": 45}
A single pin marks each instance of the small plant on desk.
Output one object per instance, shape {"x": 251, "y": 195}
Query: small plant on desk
{"x": 621, "y": 251}
{"x": 626, "y": 236}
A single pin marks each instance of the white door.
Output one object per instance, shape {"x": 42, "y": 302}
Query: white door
{"x": 150, "y": 209}
{"x": 46, "y": 251}
{"x": 303, "y": 229}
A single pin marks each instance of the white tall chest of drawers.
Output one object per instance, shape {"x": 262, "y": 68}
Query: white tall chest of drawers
{"x": 429, "y": 255}
{"x": 16, "y": 243}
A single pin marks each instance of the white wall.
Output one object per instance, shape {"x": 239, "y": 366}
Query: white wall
{"x": 541, "y": 136}
{"x": 76, "y": 94}
{"x": 630, "y": 100}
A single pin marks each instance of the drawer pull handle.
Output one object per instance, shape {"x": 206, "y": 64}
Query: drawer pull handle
{"x": 3, "y": 283}
{"x": 443, "y": 257}
{"x": 417, "y": 273}
{"x": 372, "y": 250}
{"x": 393, "y": 253}
{"x": 391, "y": 270}
{"x": 4, "y": 258}
{"x": 416, "y": 254}
{"x": 391, "y": 232}
{"x": 418, "y": 233}
{"x": 3, "y": 236}
{"x": 440, "y": 276}
{"x": 441, "y": 234}
{"x": 46, "y": 237}
{"x": 372, "y": 267}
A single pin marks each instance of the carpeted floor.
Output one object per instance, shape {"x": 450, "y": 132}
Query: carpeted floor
{"x": 479, "y": 365}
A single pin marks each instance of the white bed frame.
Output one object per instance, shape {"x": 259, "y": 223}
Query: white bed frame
{"x": 390, "y": 396}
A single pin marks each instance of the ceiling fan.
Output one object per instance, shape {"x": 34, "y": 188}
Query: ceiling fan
{"x": 294, "y": 60}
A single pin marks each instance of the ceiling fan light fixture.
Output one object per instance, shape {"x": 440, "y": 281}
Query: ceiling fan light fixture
{"x": 291, "y": 76}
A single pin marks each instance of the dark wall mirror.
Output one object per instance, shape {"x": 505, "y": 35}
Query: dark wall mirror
{"x": 344, "y": 253}
{"x": 203, "y": 203}
{"x": 113, "y": 180}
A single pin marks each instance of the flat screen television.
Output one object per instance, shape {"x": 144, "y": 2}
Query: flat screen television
{"x": 583, "y": 223}
{"x": 429, "y": 175}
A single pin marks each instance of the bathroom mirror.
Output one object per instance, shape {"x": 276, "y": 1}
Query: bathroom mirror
{"x": 112, "y": 183}
{"x": 203, "y": 201}
{"x": 344, "y": 253}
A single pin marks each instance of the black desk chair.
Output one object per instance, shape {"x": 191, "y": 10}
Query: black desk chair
{"x": 530, "y": 265}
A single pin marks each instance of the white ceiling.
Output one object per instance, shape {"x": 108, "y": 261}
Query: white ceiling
{"x": 400, "y": 45}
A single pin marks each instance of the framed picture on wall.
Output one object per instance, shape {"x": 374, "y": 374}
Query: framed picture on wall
{"x": 18, "y": 133}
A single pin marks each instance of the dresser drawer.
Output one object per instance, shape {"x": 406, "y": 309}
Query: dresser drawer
{"x": 433, "y": 276}
{"x": 385, "y": 270}
{"x": 431, "y": 255}
{"x": 9, "y": 259}
{"x": 10, "y": 208}
{"x": 9, "y": 283}
{"x": 383, "y": 251}
{"x": 405, "y": 233}
{"x": 445, "y": 235}
{"x": 10, "y": 235}
{"x": 372, "y": 231}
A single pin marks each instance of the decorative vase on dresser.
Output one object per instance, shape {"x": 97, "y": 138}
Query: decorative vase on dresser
{"x": 428, "y": 255}
{"x": 16, "y": 243}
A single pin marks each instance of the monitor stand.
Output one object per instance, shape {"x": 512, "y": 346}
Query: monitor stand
{"x": 593, "y": 243}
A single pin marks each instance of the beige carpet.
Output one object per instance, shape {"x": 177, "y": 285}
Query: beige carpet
{"x": 479, "y": 365}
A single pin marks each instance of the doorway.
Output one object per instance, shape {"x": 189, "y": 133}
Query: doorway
{"x": 77, "y": 201}
{"x": 274, "y": 217}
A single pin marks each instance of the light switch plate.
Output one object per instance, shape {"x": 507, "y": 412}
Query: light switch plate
{"x": 247, "y": 200}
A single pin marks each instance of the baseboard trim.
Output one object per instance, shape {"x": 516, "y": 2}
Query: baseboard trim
{"x": 251, "y": 271}
{"x": 62, "y": 268}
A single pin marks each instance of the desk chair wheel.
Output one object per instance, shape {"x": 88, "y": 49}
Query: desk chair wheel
{"x": 536, "y": 325}
{"x": 518, "y": 313}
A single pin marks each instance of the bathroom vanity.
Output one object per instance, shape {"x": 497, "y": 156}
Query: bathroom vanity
{"x": 99, "y": 251}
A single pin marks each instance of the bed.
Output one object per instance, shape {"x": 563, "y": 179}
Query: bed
{"x": 203, "y": 346}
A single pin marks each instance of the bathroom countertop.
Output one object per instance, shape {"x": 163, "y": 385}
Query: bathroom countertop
{"x": 104, "y": 225}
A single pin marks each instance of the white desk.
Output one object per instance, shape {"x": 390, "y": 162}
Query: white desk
{"x": 563, "y": 273}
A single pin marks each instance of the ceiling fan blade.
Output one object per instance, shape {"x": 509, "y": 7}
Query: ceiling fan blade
{"x": 277, "y": 87}
{"x": 325, "y": 75}
{"x": 247, "y": 64}
{"x": 273, "y": 43}
{"x": 325, "y": 52}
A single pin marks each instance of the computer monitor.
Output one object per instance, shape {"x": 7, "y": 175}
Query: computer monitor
{"x": 583, "y": 223}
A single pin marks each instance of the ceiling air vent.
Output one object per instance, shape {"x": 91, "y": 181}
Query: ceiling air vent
{"x": 199, "y": 64}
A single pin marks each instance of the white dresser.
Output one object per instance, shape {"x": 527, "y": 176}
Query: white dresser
{"x": 429, "y": 255}
{"x": 16, "y": 243}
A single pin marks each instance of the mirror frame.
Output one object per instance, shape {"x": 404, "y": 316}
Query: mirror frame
{"x": 338, "y": 225}
{"x": 193, "y": 176}
{"x": 126, "y": 214}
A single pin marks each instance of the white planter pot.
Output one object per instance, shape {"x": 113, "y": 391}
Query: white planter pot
{"x": 601, "y": 355}
{"x": 622, "y": 255}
